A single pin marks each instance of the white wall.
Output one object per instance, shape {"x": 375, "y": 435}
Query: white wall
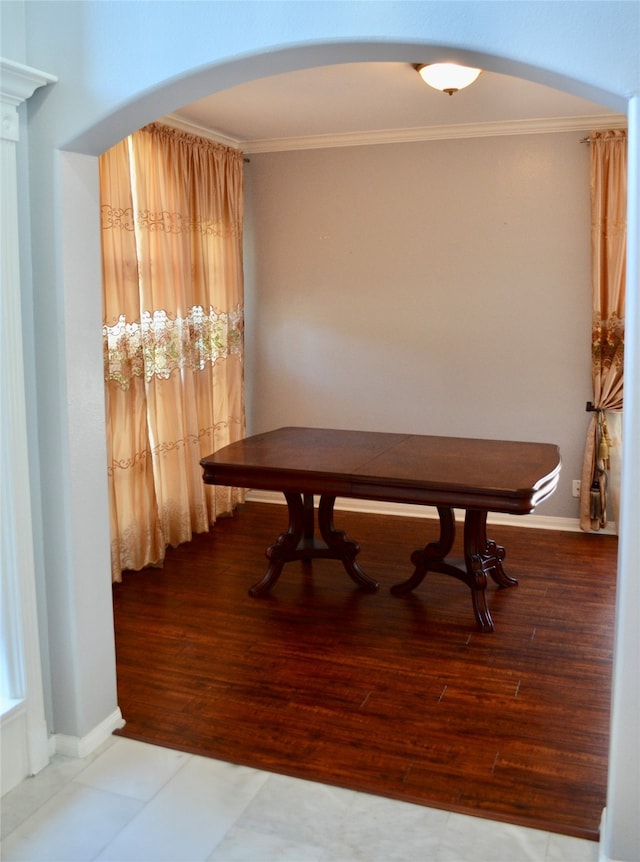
{"x": 434, "y": 288}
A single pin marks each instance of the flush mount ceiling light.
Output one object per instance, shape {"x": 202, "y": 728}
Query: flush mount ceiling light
{"x": 447, "y": 77}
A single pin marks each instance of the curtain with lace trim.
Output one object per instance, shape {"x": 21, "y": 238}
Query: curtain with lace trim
{"x": 608, "y": 181}
{"x": 172, "y": 212}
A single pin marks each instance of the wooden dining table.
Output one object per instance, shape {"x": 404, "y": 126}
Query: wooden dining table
{"x": 476, "y": 475}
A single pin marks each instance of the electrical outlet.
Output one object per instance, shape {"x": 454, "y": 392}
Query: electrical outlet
{"x": 575, "y": 487}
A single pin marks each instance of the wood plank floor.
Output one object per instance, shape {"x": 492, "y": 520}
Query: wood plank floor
{"x": 401, "y": 697}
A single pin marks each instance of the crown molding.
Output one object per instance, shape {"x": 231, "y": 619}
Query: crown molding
{"x": 177, "y": 122}
{"x": 441, "y": 133}
{"x": 544, "y": 125}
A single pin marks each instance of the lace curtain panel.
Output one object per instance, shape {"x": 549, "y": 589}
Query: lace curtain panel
{"x": 172, "y": 212}
{"x": 600, "y": 480}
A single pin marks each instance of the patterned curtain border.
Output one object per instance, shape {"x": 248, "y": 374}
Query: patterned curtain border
{"x": 607, "y": 343}
{"x": 166, "y": 222}
{"x": 158, "y": 345}
{"x": 170, "y": 446}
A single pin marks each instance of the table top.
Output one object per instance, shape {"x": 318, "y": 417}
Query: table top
{"x": 459, "y": 472}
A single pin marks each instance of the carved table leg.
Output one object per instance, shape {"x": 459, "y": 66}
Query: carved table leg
{"x": 298, "y": 543}
{"x": 424, "y": 559}
{"x": 342, "y": 547}
{"x": 285, "y": 547}
{"x": 481, "y": 558}
{"x": 307, "y": 506}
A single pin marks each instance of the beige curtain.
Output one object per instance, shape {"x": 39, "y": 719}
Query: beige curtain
{"x": 171, "y": 207}
{"x": 599, "y": 483}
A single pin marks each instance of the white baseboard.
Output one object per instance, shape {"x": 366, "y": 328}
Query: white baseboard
{"x": 602, "y": 854}
{"x": 15, "y": 759}
{"x": 76, "y": 746}
{"x": 24, "y": 743}
{"x": 406, "y": 510}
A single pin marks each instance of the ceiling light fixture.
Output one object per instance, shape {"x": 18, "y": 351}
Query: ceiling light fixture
{"x": 447, "y": 77}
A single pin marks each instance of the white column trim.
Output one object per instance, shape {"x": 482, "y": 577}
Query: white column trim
{"x": 17, "y": 83}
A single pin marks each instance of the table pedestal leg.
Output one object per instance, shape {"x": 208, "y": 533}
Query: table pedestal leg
{"x": 482, "y": 557}
{"x": 299, "y": 543}
{"x": 340, "y": 547}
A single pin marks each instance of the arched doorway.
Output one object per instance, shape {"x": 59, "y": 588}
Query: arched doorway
{"x": 79, "y": 200}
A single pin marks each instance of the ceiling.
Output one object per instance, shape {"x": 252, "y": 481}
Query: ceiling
{"x": 356, "y": 103}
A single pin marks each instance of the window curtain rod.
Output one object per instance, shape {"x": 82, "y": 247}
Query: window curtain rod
{"x": 587, "y": 139}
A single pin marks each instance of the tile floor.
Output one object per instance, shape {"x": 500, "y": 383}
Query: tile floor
{"x": 132, "y": 802}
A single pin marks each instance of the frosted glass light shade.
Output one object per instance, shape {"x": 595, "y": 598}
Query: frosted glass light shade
{"x": 448, "y": 77}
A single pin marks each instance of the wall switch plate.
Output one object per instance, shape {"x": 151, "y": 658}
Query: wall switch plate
{"x": 575, "y": 487}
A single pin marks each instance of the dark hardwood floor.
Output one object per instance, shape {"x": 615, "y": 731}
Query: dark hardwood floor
{"x": 401, "y": 697}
